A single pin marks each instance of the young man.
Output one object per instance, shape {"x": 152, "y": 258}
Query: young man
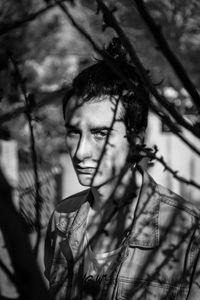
{"x": 125, "y": 237}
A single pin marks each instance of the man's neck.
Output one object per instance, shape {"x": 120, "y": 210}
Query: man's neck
{"x": 108, "y": 195}
{"x": 117, "y": 222}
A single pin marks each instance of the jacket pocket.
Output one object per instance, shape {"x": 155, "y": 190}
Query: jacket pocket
{"x": 144, "y": 290}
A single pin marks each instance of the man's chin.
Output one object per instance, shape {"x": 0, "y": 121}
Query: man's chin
{"x": 85, "y": 180}
{"x": 88, "y": 181}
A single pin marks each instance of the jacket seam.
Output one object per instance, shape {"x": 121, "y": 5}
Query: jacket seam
{"x": 167, "y": 200}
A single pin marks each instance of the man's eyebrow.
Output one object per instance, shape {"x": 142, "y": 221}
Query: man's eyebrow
{"x": 93, "y": 128}
{"x": 99, "y": 128}
{"x": 68, "y": 125}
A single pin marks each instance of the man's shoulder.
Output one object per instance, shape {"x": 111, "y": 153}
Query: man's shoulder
{"x": 73, "y": 202}
{"x": 176, "y": 202}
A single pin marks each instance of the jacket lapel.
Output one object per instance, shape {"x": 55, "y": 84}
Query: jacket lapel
{"x": 145, "y": 230}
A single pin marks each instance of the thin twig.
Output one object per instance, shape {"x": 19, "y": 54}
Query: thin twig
{"x": 6, "y": 27}
{"x": 173, "y": 128}
{"x": 33, "y": 150}
{"x": 111, "y": 21}
{"x": 152, "y": 156}
{"x": 43, "y": 98}
{"x": 113, "y": 66}
{"x": 168, "y": 53}
{"x": 27, "y": 274}
{"x": 107, "y": 138}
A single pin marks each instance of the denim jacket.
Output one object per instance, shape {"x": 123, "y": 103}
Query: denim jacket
{"x": 161, "y": 259}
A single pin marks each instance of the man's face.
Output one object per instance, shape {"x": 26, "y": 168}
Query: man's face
{"x": 96, "y": 140}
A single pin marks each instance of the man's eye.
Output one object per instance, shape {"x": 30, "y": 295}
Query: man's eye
{"x": 72, "y": 133}
{"x": 101, "y": 135}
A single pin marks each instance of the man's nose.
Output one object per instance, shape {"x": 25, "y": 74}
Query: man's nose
{"x": 84, "y": 149}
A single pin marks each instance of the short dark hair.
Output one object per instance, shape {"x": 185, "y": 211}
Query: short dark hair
{"x": 99, "y": 79}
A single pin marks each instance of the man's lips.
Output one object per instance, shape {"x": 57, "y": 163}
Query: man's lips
{"x": 85, "y": 170}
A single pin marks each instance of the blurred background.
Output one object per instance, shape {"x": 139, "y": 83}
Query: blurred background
{"x": 49, "y": 52}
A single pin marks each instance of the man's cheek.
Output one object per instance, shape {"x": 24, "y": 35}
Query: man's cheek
{"x": 71, "y": 147}
{"x": 101, "y": 151}
{"x": 109, "y": 167}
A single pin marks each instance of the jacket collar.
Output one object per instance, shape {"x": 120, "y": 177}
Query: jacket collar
{"x": 145, "y": 229}
{"x": 81, "y": 215}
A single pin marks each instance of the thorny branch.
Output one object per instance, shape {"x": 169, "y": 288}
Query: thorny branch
{"x": 109, "y": 214}
{"x": 112, "y": 64}
{"x": 34, "y": 155}
{"x": 156, "y": 31}
{"x": 107, "y": 138}
{"x": 111, "y": 21}
{"x": 33, "y": 147}
{"x": 164, "y": 117}
{"x": 151, "y": 154}
{"x": 173, "y": 128}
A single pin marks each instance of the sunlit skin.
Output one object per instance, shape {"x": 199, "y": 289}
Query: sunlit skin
{"x": 89, "y": 127}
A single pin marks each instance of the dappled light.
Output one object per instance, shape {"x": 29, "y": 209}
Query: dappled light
{"x": 78, "y": 81}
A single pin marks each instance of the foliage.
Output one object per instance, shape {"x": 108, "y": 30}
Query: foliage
{"x": 50, "y": 51}
{"x": 46, "y": 58}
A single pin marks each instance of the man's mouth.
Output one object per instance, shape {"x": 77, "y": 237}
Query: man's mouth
{"x": 85, "y": 170}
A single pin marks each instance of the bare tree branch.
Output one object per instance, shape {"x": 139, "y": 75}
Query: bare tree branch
{"x": 33, "y": 149}
{"x": 111, "y": 21}
{"x": 173, "y": 128}
{"x": 29, "y": 280}
{"x": 6, "y": 27}
{"x": 152, "y": 156}
{"x": 112, "y": 65}
{"x": 180, "y": 71}
{"x": 42, "y": 99}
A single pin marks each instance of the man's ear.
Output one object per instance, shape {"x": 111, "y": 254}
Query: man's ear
{"x": 139, "y": 138}
{"x": 136, "y": 149}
